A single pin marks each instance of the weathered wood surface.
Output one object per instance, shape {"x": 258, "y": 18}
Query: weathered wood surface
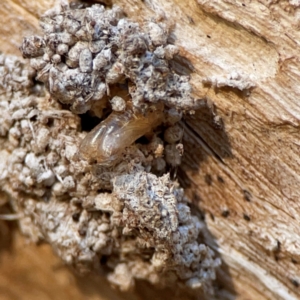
{"x": 241, "y": 160}
{"x": 33, "y": 272}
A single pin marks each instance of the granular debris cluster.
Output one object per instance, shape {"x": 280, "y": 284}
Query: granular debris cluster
{"x": 84, "y": 53}
{"x": 127, "y": 219}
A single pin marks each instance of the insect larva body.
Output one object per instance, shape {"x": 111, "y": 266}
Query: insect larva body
{"x": 118, "y": 131}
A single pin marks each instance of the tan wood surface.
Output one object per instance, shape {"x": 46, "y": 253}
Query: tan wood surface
{"x": 241, "y": 148}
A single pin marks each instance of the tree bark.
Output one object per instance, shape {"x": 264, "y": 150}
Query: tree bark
{"x": 241, "y": 147}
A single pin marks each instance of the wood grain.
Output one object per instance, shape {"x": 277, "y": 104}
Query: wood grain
{"x": 242, "y": 158}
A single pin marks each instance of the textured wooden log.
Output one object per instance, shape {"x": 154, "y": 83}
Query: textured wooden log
{"x": 242, "y": 147}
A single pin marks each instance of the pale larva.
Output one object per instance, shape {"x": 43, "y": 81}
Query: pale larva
{"x": 107, "y": 140}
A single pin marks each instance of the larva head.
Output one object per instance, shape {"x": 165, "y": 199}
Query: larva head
{"x": 106, "y": 141}
{"x": 89, "y": 146}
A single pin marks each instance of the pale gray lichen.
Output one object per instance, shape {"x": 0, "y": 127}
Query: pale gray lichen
{"x": 130, "y": 220}
{"x": 234, "y": 79}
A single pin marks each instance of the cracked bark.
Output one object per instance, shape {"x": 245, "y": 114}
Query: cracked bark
{"x": 241, "y": 158}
